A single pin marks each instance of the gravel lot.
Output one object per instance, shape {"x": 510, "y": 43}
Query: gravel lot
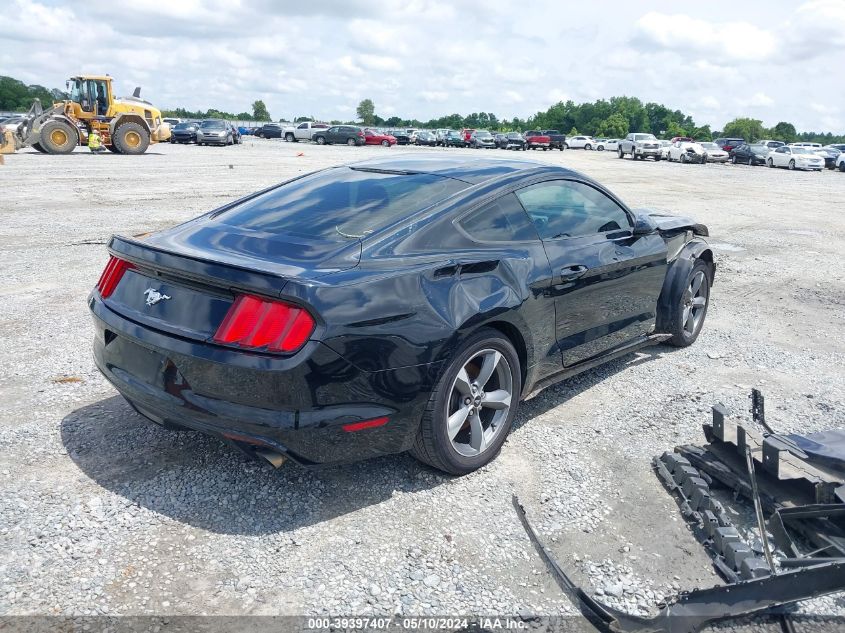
{"x": 103, "y": 512}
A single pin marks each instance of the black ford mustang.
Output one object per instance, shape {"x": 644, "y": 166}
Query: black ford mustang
{"x": 391, "y": 305}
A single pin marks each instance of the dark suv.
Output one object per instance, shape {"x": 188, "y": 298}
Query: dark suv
{"x": 269, "y": 130}
{"x": 728, "y": 144}
{"x": 342, "y": 134}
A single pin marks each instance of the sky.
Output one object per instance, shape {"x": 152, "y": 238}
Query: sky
{"x": 774, "y": 60}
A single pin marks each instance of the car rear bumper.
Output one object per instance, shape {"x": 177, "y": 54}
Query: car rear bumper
{"x": 296, "y": 406}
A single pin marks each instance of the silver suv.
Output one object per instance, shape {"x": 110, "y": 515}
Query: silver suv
{"x": 640, "y": 146}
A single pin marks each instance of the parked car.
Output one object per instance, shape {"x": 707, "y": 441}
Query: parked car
{"x": 829, "y": 154}
{"x": 340, "y": 134}
{"x": 794, "y": 158}
{"x": 412, "y": 135}
{"x": 664, "y": 149}
{"x": 467, "y": 134}
{"x": 441, "y": 135}
{"x": 215, "y": 132}
{"x": 556, "y": 139}
{"x": 611, "y": 145}
{"x": 580, "y": 142}
{"x": 770, "y": 144}
{"x": 687, "y": 139}
{"x": 534, "y": 139}
{"x": 806, "y": 144}
{"x": 753, "y": 154}
{"x": 171, "y": 121}
{"x": 401, "y": 136}
{"x": 184, "y": 132}
{"x": 840, "y": 162}
{"x": 236, "y": 134}
{"x": 511, "y": 140}
{"x": 837, "y": 146}
{"x": 305, "y": 131}
{"x": 270, "y": 130}
{"x": 482, "y": 139}
{"x": 728, "y": 144}
{"x": 454, "y": 138}
{"x": 640, "y": 146}
{"x": 425, "y": 137}
{"x": 713, "y": 153}
{"x": 291, "y": 308}
{"x": 686, "y": 152}
{"x": 371, "y": 137}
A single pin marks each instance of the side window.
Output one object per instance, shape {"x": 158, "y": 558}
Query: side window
{"x": 502, "y": 220}
{"x": 565, "y": 208}
{"x": 302, "y": 126}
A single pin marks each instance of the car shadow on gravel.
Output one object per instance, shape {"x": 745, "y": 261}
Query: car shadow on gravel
{"x": 203, "y": 482}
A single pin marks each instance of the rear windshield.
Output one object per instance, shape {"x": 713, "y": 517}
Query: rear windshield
{"x": 341, "y": 204}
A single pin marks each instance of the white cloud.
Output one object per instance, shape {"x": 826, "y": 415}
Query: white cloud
{"x": 434, "y": 96}
{"x": 760, "y": 99}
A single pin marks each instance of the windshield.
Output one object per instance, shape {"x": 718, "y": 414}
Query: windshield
{"x": 185, "y": 126}
{"x": 759, "y": 148}
{"x": 483, "y": 135}
{"x": 341, "y": 203}
{"x": 213, "y": 125}
{"x": 644, "y": 137}
{"x": 514, "y": 135}
{"x": 710, "y": 146}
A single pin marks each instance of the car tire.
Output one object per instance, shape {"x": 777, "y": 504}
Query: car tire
{"x": 620, "y": 153}
{"x": 657, "y": 158}
{"x": 588, "y": 146}
{"x": 842, "y": 166}
{"x": 321, "y": 140}
{"x": 289, "y": 138}
{"x": 385, "y": 143}
{"x": 684, "y": 158}
{"x": 687, "y": 317}
{"x": 770, "y": 163}
{"x": 751, "y": 162}
{"x": 38, "y": 148}
{"x": 791, "y": 165}
{"x": 475, "y": 439}
{"x": 734, "y": 161}
{"x": 58, "y": 137}
{"x": 351, "y": 142}
{"x": 600, "y": 148}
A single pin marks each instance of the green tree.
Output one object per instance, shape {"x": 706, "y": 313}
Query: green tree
{"x": 702, "y": 133}
{"x": 673, "y": 129}
{"x": 749, "y": 129}
{"x": 573, "y": 131}
{"x": 614, "y": 126}
{"x": 366, "y": 111}
{"x": 259, "y": 111}
{"x": 784, "y": 131}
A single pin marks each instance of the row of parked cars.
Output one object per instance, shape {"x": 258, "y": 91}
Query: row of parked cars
{"x": 206, "y": 132}
{"x": 810, "y": 156}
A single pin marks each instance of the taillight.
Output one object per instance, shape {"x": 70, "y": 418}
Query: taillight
{"x": 263, "y": 324}
{"x": 366, "y": 424}
{"x": 112, "y": 275}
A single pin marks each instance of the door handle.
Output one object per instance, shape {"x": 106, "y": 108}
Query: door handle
{"x": 570, "y": 273}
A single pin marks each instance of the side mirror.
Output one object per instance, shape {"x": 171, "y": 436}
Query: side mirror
{"x": 644, "y": 224}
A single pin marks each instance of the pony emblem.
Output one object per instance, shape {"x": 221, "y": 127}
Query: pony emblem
{"x": 154, "y": 296}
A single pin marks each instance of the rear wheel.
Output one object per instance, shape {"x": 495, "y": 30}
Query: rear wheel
{"x": 600, "y": 148}
{"x": 620, "y": 153}
{"x": 131, "y": 138}
{"x": 471, "y": 410}
{"x": 321, "y": 140}
{"x": 58, "y": 137}
{"x": 842, "y": 166}
{"x": 385, "y": 143}
{"x": 734, "y": 161}
{"x": 691, "y": 307}
{"x": 350, "y": 141}
{"x": 289, "y": 137}
{"x": 770, "y": 163}
{"x": 588, "y": 146}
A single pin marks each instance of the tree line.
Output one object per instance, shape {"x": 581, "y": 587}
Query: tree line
{"x": 612, "y": 118}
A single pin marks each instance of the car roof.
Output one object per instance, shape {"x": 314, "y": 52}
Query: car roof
{"x": 470, "y": 170}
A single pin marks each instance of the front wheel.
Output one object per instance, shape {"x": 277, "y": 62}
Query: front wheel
{"x": 588, "y": 146}
{"x": 471, "y": 409}
{"x": 385, "y": 143}
{"x": 792, "y": 165}
{"x": 600, "y": 148}
{"x": 770, "y": 163}
{"x": 691, "y": 307}
{"x": 321, "y": 140}
{"x": 734, "y": 160}
{"x": 842, "y": 166}
{"x": 351, "y": 142}
{"x": 289, "y": 138}
{"x": 131, "y": 138}
{"x": 620, "y": 153}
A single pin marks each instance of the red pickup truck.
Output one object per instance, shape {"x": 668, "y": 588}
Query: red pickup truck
{"x": 535, "y": 139}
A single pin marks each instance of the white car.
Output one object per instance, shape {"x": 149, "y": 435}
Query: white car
{"x": 810, "y": 145}
{"x": 664, "y": 149}
{"x": 769, "y": 143}
{"x": 840, "y": 162}
{"x": 580, "y": 142}
{"x": 611, "y": 145}
{"x": 686, "y": 152}
{"x": 714, "y": 153}
{"x": 795, "y": 158}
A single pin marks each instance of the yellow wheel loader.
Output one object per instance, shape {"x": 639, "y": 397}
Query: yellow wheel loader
{"x": 126, "y": 125}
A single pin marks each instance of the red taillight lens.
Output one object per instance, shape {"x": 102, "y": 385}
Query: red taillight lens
{"x": 260, "y": 323}
{"x": 366, "y": 424}
{"x": 112, "y": 275}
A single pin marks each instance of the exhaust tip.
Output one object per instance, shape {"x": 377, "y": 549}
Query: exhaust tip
{"x": 276, "y": 460}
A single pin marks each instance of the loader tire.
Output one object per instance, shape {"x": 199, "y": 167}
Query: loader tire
{"x": 37, "y": 147}
{"x": 131, "y": 138}
{"x": 58, "y": 137}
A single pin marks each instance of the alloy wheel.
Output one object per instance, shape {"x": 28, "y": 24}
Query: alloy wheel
{"x": 479, "y": 402}
{"x": 695, "y": 303}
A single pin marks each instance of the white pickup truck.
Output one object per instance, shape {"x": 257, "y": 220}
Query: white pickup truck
{"x": 303, "y": 131}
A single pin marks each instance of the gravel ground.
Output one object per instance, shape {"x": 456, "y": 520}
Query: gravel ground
{"x": 105, "y": 513}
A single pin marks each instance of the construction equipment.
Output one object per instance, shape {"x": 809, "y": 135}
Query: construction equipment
{"x": 127, "y": 125}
